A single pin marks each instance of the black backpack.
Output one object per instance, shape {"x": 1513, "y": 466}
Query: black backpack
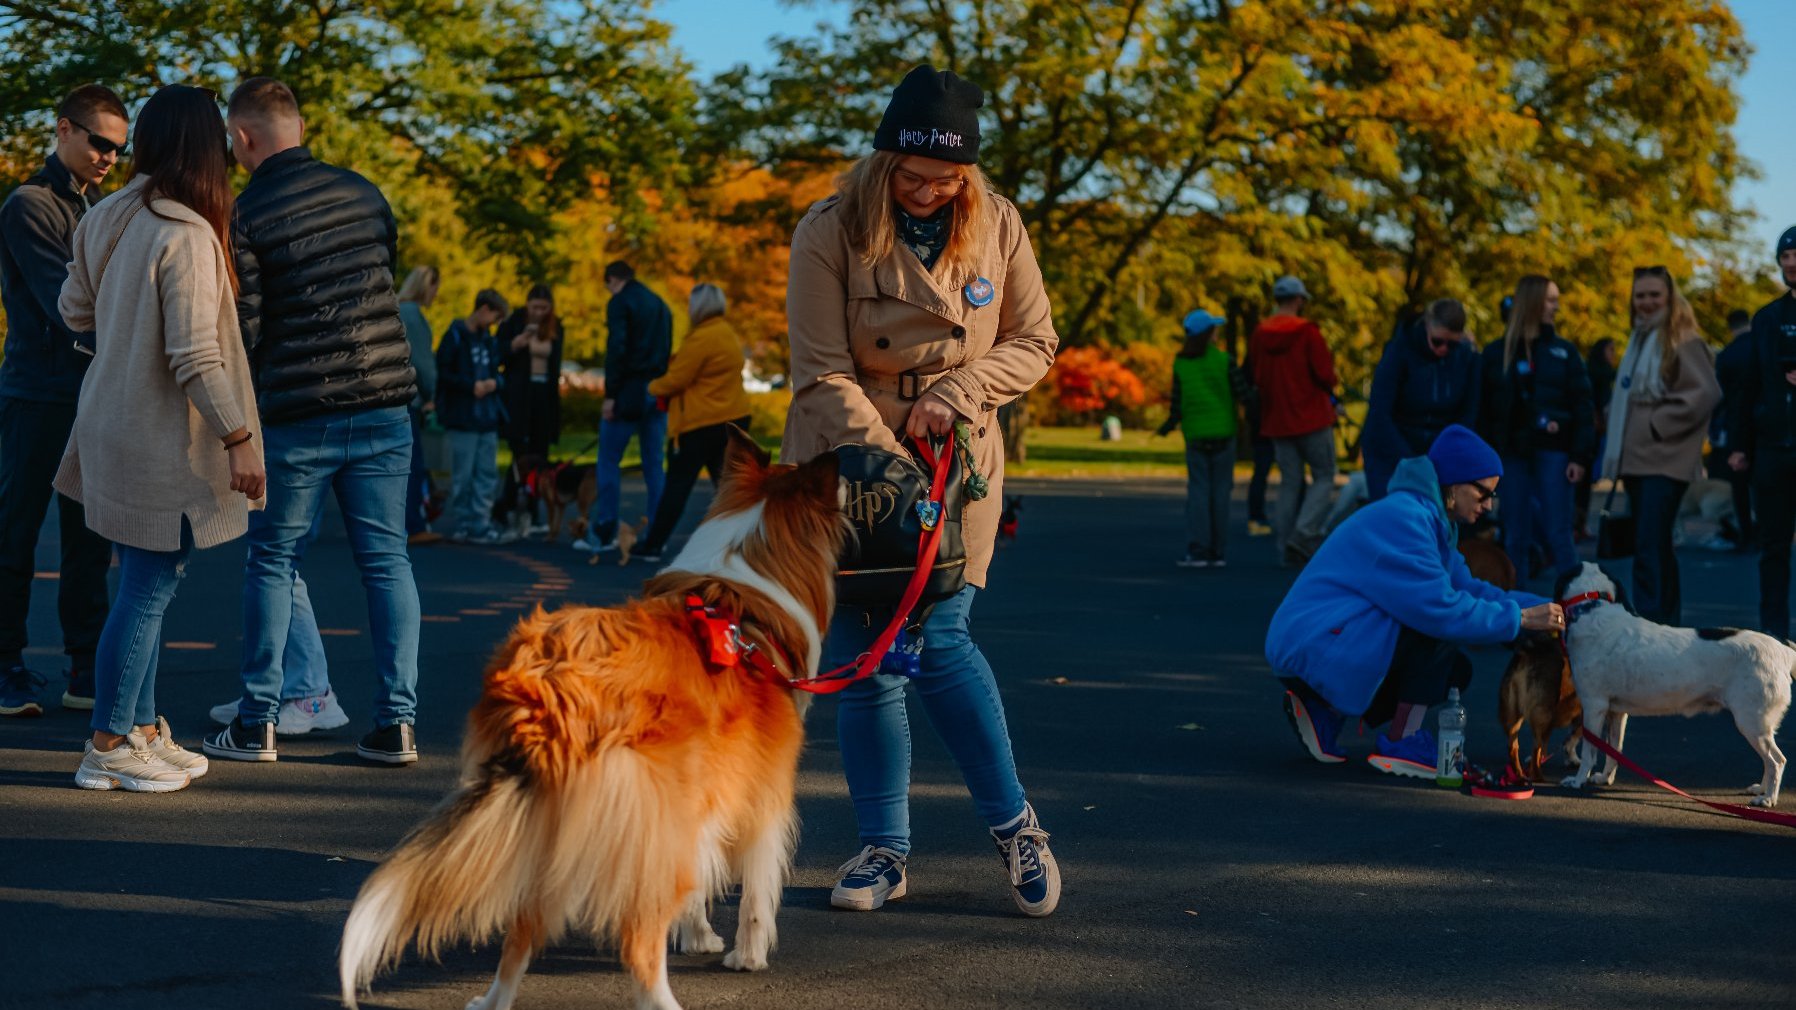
{"x": 888, "y": 499}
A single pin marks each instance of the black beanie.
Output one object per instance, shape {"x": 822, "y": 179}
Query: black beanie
{"x": 933, "y": 114}
{"x": 1786, "y": 241}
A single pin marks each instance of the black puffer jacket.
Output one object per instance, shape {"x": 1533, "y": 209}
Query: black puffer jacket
{"x": 1540, "y": 403}
{"x": 314, "y": 247}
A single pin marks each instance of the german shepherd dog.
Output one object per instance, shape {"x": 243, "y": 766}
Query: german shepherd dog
{"x": 614, "y": 782}
{"x": 557, "y": 486}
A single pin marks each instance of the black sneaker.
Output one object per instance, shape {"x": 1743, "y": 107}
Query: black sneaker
{"x": 242, "y": 743}
{"x": 80, "y": 693}
{"x": 390, "y": 745}
{"x": 18, "y": 691}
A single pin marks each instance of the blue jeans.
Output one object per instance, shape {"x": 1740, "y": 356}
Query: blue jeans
{"x": 131, "y": 642}
{"x": 417, "y": 490}
{"x": 961, "y": 697}
{"x": 614, "y": 438}
{"x": 1538, "y": 483}
{"x": 365, "y": 456}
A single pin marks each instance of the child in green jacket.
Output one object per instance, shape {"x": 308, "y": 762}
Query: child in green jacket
{"x": 1206, "y": 389}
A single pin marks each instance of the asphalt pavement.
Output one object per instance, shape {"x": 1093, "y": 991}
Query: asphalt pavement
{"x": 1207, "y": 861}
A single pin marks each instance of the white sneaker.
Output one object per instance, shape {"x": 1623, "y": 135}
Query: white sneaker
{"x": 296, "y": 716}
{"x": 587, "y": 545}
{"x": 172, "y": 753}
{"x": 131, "y": 766}
{"x": 872, "y": 878}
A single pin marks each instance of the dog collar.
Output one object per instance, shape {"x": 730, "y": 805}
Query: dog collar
{"x": 722, "y": 641}
{"x": 1582, "y": 603}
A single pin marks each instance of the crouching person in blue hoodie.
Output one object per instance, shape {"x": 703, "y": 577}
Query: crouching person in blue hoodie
{"x": 1370, "y": 628}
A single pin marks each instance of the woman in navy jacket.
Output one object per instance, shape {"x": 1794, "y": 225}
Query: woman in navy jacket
{"x": 1536, "y": 411}
{"x": 1365, "y": 630}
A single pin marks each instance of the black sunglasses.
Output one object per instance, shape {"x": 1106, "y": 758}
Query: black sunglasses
{"x": 1484, "y": 493}
{"x": 100, "y": 143}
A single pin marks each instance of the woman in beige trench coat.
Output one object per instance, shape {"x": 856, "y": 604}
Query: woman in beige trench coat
{"x": 915, "y": 302}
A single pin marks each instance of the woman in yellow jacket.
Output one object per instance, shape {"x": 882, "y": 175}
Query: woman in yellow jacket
{"x": 703, "y": 387}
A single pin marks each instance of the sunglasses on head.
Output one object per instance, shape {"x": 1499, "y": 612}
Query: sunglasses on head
{"x": 99, "y": 142}
{"x": 1651, "y": 272}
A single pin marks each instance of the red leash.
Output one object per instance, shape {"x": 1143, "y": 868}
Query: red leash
{"x": 721, "y": 633}
{"x": 1736, "y": 809}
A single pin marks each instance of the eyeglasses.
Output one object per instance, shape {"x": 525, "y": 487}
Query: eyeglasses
{"x": 100, "y": 143}
{"x": 910, "y": 182}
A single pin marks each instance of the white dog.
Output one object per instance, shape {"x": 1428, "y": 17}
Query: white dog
{"x": 1626, "y": 665}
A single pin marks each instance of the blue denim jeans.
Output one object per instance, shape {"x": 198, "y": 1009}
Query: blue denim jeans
{"x": 304, "y": 671}
{"x": 614, "y": 438}
{"x": 961, "y": 698}
{"x": 1538, "y": 483}
{"x": 365, "y": 457}
{"x": 474, "y": 481}
{"x": 131, "y": 642}
{"x": 1654, "y": 503}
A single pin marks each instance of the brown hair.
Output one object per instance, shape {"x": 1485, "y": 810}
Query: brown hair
{"x": 550, "y": 327}
{"x": 1447, "y": 314}
{"x": 180, "y": 141}
{"x": 866, "y": 192}
{"x": 87, "y": 100}
{"x": 264, "y": 98}
{"x": 1525, "y": 319}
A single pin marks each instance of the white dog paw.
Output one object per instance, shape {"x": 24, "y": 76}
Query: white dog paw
{"x": 705, "y": 942}
{"x": 1764, "y": 801}
{"x": 1572, "y": 782}
{"x": 740, "y": 960}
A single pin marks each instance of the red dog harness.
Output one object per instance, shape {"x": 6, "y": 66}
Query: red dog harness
{"x": 720, "y": 634}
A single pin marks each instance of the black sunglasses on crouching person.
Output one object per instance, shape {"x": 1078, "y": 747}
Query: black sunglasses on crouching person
{"x": 100, "y": 142}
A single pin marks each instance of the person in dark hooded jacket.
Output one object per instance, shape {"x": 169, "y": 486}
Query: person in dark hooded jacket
{"x": 1427, "y": 380}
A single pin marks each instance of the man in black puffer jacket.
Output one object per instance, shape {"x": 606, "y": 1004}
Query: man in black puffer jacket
{"x": 314, "y": 247}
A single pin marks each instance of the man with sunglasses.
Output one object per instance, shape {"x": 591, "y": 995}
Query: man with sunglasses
{"x": 1427, "y": 380}
{"x": 39, "y": 381}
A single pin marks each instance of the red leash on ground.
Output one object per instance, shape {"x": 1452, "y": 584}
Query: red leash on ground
{"x": 1750, "y": 813}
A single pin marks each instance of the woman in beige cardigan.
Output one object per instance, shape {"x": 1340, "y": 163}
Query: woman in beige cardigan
{"x": 164, "y": 454}
{"x": 1665, "y": 391}
{"x": 915, "y": 302}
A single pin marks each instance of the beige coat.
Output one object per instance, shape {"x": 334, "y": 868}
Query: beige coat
{"x": 855, "y": 330}
{"x": 168, "y": 381}
{"x": 1664, "y": 437}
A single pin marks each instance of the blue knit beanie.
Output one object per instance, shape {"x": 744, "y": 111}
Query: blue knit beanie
{"x": 1460, "y": 456}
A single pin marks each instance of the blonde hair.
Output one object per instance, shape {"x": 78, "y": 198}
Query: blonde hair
{"x": 420, "y": 280}
{"x": 707, "y": 302}
{"x": 866, "y": 192}
{"x": 1679, "y": 326}
{"x": 1525, "y": 317}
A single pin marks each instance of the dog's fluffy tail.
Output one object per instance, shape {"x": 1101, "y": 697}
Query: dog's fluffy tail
{"x": 457, "y": 876}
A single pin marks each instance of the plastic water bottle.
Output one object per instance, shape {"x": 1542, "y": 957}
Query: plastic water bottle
{"x": 1450, "y": 763}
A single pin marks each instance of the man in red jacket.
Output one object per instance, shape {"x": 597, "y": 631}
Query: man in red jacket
{"x": 1295, "y": 376}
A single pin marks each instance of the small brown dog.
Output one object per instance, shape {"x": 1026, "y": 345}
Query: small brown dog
{"x": 558, "y": 485}
{"x": 1537, "y": 689}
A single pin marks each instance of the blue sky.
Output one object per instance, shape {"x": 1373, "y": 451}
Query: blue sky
{"x": 716, "y": 34}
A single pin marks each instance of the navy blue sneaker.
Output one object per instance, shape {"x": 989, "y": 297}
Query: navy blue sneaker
{"x": 870, "y": 879}
{"x": 1413, "y": 756}
{"x": 18, "y": 691}
{"x": 1034, "y": 875}
{"x": 1318, "y": 728}
{"x": 80, "y": 694}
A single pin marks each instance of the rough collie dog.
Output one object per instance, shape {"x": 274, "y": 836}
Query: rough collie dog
{"x": 1626, "y": 665}
{"x": 613, "y": 781}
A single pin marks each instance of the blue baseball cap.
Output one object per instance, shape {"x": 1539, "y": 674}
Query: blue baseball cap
{"x": 1198, "y": 320}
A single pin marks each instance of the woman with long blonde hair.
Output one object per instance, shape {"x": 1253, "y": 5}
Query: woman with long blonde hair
{"x": 1536, "y": 411}
{"x": 1665, "y": 392}
{"x": 914, "y": 303}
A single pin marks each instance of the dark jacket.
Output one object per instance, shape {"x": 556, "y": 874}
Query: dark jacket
{"x": 424, "y": 356}
{"x": 1731, "y": 367}
{"x": 37, "y": 228}
{"x": 1762, "y": 411}
{"x": 314, "y": 247}
{"x": 1294, "y": 374}
{"x": 1549, "y": 387}
{"x": 517, "y": 380}
{"x": 1415, "y": 395}
{"x": 464, "y": 358}
{"x": 639, "y": 342}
